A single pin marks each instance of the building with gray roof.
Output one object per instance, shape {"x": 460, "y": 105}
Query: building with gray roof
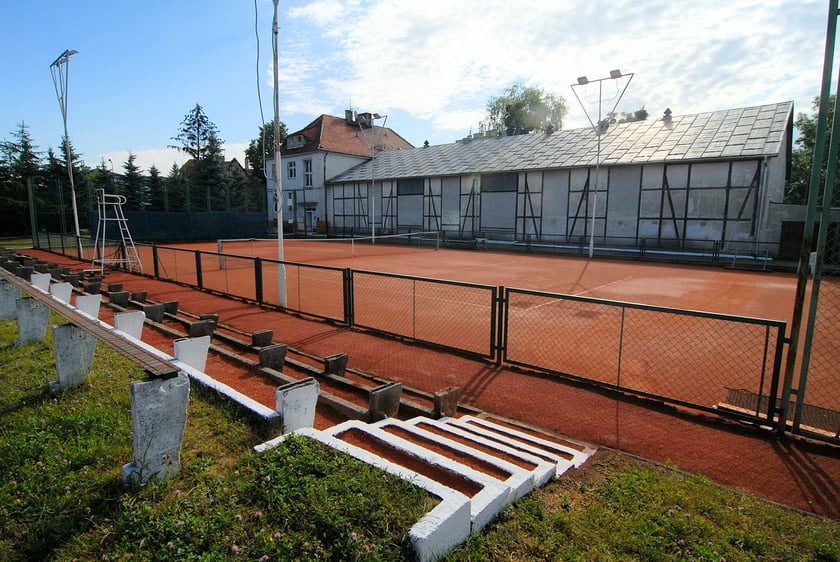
{"x": 676, "y": 182}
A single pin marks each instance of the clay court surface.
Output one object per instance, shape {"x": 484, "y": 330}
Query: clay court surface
{"x": 710, "y": 289}
{"x": 793, "y": 472}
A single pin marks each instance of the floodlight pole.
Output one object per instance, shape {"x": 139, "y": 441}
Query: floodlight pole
{"x": 278, "y": 185}
{"x": 599, "y": 127}
{"x": 60, "y": 70}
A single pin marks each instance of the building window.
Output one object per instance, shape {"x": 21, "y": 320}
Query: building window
{"x": 307, "y": 172}
{"x": 412, "y": 186}
{"x": 291, "y": 170}
{"x": 499, "y": 182}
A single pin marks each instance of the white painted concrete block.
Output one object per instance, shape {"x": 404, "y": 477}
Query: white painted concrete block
{"x": 41, "y": 281}
{"x": 73, "y": 349}
{"x": 131, "y": 323}
{"x": 158, "y": 418}
{"x": 61, "y": 291}
{"x": 89, "y": 304}
{"x": 8, "y": 300}
{"x": 192, "y": 351}
{"x": 32, "y": 318}
{"x": 296, "y": 403}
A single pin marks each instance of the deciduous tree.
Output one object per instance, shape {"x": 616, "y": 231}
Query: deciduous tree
{"x": 524, "y": 109}
{"x": 796, "y": 189}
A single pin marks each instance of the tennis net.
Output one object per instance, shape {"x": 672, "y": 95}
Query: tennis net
{"x": 323, "y": 249}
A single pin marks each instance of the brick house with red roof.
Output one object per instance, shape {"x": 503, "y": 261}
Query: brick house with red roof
{"x": 324, "y": 148}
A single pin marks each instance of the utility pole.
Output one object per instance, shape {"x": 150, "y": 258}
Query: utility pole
{"x": 278, "y": 185}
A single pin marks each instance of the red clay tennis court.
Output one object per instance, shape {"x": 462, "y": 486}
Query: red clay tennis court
{"x": 793, "y": 472}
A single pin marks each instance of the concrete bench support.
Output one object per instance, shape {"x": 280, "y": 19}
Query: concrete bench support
{"x": 262, "y": 338}
{"x": 9, "y": 294}
{"x": 89, "y": 304}
{"x": 61, "y": 291}
{"x": 131, "y": 323}
{"x": 119, "y": 298}
{"x": 41, "y": 280}
{"x": 154, "y": 312}
{"x": 335, "y": 364}
{"x": 446, "y": 401}
{"x": 72, "y": 278}
{"x": 73, "y": 349}
{"x": 296, "y": 403}
{"x": 274, "y": 356}
{"x": 202, "y": 328}
{"x": 32, "y": 318}
{"x": 139, "y": 296}
{"x": 192, "y": 351}
{"x": 385, "y": 400}
{"x": 158, "y": 418}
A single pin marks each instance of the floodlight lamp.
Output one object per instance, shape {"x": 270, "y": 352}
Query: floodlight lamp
{"x": 582, "y": 80}
{"x": 64, "y": 57}
{"x": 377, "y": 116}
{"x": 615, "y": 74}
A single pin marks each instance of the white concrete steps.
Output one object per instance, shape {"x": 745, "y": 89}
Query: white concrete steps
{"x": 476, "y": 466}
{"x": 488, "y": 495}
{"x": 565, "y": 454}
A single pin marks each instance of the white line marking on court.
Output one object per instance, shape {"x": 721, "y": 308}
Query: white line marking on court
{"x": 605, "y": 285}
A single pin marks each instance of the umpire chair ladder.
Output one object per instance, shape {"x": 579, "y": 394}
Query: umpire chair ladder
{"x": 109, "y": 207}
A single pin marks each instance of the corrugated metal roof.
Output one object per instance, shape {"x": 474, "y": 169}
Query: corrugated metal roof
{"x": 733, "y": 133}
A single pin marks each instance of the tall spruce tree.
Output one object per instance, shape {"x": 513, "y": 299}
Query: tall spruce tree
{"x": 195, "y": 134}
{"x": 19, "y": 163}
{"x": 156, "y": 188}
{"x": 134, "y": 185}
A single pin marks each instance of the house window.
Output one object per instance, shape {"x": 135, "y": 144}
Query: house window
{"x": 412, "y": 186}
{"x": 291, "y": 170}
{"x": 307, "y": 172}
{"x": 499, "y": 182}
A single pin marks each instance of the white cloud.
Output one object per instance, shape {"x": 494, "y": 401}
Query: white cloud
{"x": 162, "y": 158}
{"x": 440, "y": 61}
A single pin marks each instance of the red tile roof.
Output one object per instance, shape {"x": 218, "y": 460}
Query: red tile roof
{"x": 334, "y": 134}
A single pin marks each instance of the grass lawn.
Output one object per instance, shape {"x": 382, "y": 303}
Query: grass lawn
{"x": 61, "y": 496}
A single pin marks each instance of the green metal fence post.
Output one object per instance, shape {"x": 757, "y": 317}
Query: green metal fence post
{"x": 258, "y": 280}
{"x": 199, "y": 278}
{"x": 808, "y": 234}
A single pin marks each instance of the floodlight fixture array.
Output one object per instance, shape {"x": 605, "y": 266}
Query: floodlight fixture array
{"x": 599, "y": 127}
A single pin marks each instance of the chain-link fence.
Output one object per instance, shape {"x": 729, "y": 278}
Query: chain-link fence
{"x": 818, "y": 395}
{"x": 457, "y": 315}
{"x": 710, "y": 361}
{"x": 310, "y": 289}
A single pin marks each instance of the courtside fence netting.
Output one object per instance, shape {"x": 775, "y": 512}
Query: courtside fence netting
{"x": 726, "y": 364}
{"x": 818, "y": 399}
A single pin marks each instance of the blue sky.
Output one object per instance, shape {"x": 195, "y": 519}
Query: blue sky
{"x": 430, "y": 66}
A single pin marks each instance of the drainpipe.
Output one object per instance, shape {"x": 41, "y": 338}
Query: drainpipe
{"x": 324, "y": 189}
{"x": 762, "y": 204}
